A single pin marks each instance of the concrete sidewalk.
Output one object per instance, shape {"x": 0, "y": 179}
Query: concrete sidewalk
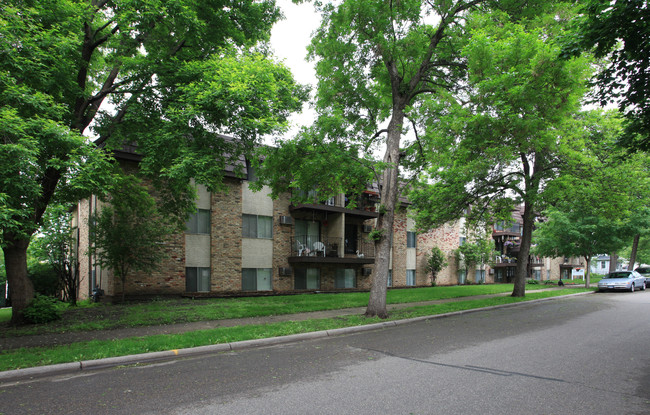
{"x": 71, "y": 368}
{"x": 55, "y": 339}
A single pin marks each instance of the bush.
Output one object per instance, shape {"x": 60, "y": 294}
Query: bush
{"x": 44, "y": 278}
{"x": 42, "y": 309}
{"x": 532, "y": 282}
{"x": 549, "y": 282}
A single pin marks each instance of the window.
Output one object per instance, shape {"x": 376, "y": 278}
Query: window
{"x": 536, "y": 274}
{"x": 260, "y": 227}
{"x": 307, "y": 232}
{"x": 390, "y": 278}
{"x": 345, "y": 278}
{"x": 461, "y": 277}
{"x": 197, "y": 279}
{"x": 480, "y": 276}
{"x": 307, "y": 279}
{"x": 256, "y": 279}
{"x": 602, "y": 264}
{"x": 309, "y": 196}
{"x": 410, "y": 239}
{"x": 199, "y": 222}
{"x": 462, "y": 241}
{"x": 410, "y": 277}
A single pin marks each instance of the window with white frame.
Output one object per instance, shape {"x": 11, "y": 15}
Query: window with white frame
{"x": 462, "y": 276}
{"x": 410, "y": 239}
{"x": 197, "y": 279}
{"x": 307, "y": 278}
{"x": 199, "y": 222}
{"x": 345, "y": 278}
{"x": 410, "y": 277}
{"x": 480, "y": 276}
{"x": 254, "y": 226}
{"x": 256, "y": 279}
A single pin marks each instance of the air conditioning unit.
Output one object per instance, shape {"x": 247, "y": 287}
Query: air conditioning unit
{"x": 367, "y": 228}
{"x": 284, "y": 271}
{"x": 366, "y": 271}
{"x": 286, "y": 220}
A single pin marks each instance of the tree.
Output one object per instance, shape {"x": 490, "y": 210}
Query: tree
{"x": 618, "y": 31}
{"x": 376, "y": 62}
{"x": 600, "y": 198}
{"x": 640, "y": 223}
{"x": 161, "y": 77}
{"x": 435, "y": 263}
{"x": 577, "y": 233}
{"x": 128, "y": 232}
{"x": 498, "y": 145}
{"x": 57, "y": 244}
{"x": 478, "y": 250}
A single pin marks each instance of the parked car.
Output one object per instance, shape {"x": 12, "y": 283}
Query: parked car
{"x": 645, "y": 271}
{"x": 622, "y": 280}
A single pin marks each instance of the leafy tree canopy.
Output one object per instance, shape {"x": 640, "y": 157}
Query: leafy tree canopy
{"x": 619, "y": 32}
{"x": 167, "y": 79}
{"x": 500, "y": 142}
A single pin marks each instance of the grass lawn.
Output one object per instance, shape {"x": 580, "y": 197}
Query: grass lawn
{"x": 38, "y": 356}
{"x": 170, "y": 311}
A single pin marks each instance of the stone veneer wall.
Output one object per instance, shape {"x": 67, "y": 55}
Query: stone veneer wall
{"x": 281, "y": 244}
{"x": 226, "y": 241}
{"x": 81, "y": 221}
{"x": 447, "y": 238}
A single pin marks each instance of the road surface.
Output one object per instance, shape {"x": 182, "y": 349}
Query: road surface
{"x": 580, "y": 355}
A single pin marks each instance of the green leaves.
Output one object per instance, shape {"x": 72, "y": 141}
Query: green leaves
{"x": 128, "y": 233}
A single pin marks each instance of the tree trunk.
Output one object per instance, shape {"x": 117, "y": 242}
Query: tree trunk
{"x": 521, "y": 272}
{"x": 21, "y": 288}
{"x": 389, "y": 197}
{"x": 588, "y": 271}
{"x": 635, "y": 247}
{"x": 613, "y": 261}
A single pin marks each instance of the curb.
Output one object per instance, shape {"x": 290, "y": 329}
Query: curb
{"x": 167, "y": 355}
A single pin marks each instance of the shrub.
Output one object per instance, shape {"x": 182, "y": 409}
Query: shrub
{"x": 45, "y": 279}
{"x": 42, "y": 309}
{"x": 532, "y": 282}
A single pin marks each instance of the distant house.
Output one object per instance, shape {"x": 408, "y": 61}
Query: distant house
{"x": 600, "y": 264}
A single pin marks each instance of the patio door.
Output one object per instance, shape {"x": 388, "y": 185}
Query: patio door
{"x": 351, "y": 239}
{"x": 307, "y": 232}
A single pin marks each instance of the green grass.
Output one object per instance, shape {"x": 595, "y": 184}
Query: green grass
{"x": 170, "y": 311}
{"x": 38, "y": 356}
{"x": 5, "y": 315}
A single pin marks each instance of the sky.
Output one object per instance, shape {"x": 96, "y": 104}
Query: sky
{"x": 289, "y": 39}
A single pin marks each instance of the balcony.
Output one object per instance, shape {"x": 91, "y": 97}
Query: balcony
{"x": 365, "y": 206}
{"x": 307, "y": 249}
{"x": 503, "y": 261}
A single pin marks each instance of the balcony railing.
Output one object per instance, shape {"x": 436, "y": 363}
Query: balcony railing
{"x": 500, "y": 260}
{"x": 326, "y": 247}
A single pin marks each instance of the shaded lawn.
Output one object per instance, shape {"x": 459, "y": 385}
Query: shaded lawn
{"x": 96, "y": 349}
{"x": 170, "y": 311}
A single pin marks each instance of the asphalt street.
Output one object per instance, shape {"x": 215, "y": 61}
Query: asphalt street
{"x": 578, "y": 355}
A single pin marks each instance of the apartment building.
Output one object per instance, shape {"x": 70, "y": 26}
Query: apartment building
{"x": 507, "y": 237}
{"x": 240, "y": 242}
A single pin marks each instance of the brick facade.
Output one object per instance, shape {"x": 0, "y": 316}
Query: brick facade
{"x": 226, "y": 249}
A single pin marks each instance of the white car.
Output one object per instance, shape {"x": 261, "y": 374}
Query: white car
{"x": 645, "y": 271}
{"x": 622, "y": 280}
